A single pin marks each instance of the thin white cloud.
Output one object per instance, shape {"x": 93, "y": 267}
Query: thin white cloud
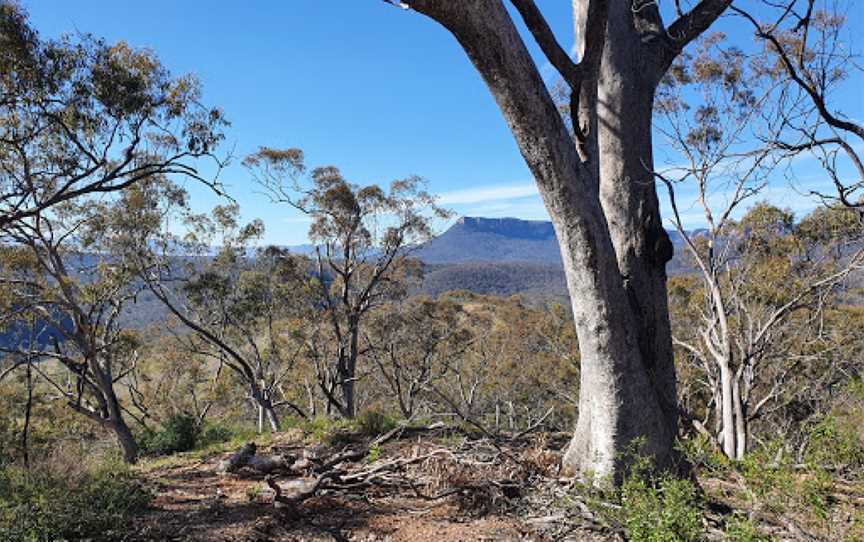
{"x": 484, "y": 194}
{"x": 531, "y": 209}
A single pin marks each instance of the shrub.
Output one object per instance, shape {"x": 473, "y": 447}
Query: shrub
{"x": 45, "y": 506}
{"x": 374, "y": 454}
{"x": 739, "y": 528}
{"x": 835, "y": 441}
{"x": 179, "y": 434}
{"x": 214, "y": 433}
{"x": 700, "y": 452}
{"x": 779, "y": 486}
{"x": 254, "y": 493}
{"x": 328, "y": 430}
{"x": 770, "y": 479}
{"x": 659, "y": 508}
{"x": 374, "y": 422}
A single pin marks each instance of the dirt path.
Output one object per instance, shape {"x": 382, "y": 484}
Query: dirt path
{"x": 196, "y": 502}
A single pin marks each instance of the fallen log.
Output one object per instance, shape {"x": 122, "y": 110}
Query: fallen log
{"x": 240, "y": 459}
{"x": 296, "y": 491}
{"x": 247, "y": 457}
{"x": 268, "y": 464}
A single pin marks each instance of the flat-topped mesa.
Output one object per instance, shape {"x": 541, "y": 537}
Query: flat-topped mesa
{"x": 508, "y": 227}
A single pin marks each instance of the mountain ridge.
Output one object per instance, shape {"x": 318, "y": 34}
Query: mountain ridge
{"x": 498, "y": 240}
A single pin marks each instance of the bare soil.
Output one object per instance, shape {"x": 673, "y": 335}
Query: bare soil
{"x": 445, "y": 489}
{"x": 195, "y": 501}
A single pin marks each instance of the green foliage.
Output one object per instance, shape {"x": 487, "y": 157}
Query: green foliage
{"x": 253, "y": 493}
{"x": 47, "y": 506}
{"x": 179, "y": 434}
{"x": 77, "y": 103}
{"x": 659, "y": 508}
{"x": 836, "y": 441}
{"x": 780, "y": 487}
{"x": 767, "y": 474}
{"x": 700, "y": 452}
{"x": 215, "y": 433}
{"x": 374, "y": 454}
{"x": 739, "y": 528}
{"x": 327, "y": 430}
{"x": 374, "y": 422}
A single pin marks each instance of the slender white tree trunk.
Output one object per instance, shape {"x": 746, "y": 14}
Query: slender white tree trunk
{"x": 740, "y": 421}
{"x": 728, "y": 413}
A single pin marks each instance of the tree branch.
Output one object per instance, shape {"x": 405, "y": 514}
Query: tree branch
{"x": 692, "y": 24}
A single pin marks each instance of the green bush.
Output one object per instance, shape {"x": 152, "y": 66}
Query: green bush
{"x": 700, "y": 452}
{"x": 179, "y": 434}
{"x": 328, "y": 430}
{"x": 739, "y": 528}
{"x": 374, "y": 422}
{"x": 659, "y": 508}
{"x": 44, "y": 506}
{"x": 835, "y": 441}
{"x": 214, "y": 434}
{"x": 779, "y": 486}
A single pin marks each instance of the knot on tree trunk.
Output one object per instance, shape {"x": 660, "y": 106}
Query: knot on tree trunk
{"x": 660, "y": 245}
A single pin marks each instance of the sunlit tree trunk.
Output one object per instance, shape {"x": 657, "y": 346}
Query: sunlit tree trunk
{"x": 601, "y": 198}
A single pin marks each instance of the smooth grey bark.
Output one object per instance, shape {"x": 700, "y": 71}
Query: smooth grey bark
{"x": 112, "y": 416}
{"x": 126, "y": 440}
{"x": 601, "y": 197}
{"x": 628, "y": 75}
{"x": 348, "y": 369}
{"x": 266, "y": 411}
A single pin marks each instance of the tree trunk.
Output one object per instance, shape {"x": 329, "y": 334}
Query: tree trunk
{"x": 614, "y": 412}
{"x": 625, "y": 95}
{"x": 740, "y": 421}
{"x": 272, "y": 417}
{"x": 126, "y": 440}
{"x": 601, "y": 199}
{"x": 260, "y": 418}
{"x": 265, "y": 408}
{"x": 728, "y": 414}
{"x": 348, "y": 398}
{"x": 349, "y": 370}
{"x": 618, "y": 402}
{"x": 115, "y": 420}
{"x": 28, "y": 409}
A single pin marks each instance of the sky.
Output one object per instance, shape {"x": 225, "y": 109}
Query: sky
{"x": 378, "y": 91}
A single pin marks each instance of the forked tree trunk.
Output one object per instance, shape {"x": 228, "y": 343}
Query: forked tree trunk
{"x": 733, "y": 434}
{"x": 272, "y": 418}
{"x": 266, "y": 412}
{"x": 602, "y": 202}
{"x": 625, "y": 95}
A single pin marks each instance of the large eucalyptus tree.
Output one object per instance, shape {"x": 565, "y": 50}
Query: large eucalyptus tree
{"x": 600, "y": 194}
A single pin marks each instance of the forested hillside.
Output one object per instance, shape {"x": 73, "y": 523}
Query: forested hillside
{"x": 675, "y": 356}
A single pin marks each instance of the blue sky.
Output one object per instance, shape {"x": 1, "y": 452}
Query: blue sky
{"x": 377, "y": 91}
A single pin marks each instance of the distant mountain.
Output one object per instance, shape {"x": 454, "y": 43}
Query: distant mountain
{"x": 476, "y": 239}
{"x": 502, "y": 256}
{"x": 306, "y": 250}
